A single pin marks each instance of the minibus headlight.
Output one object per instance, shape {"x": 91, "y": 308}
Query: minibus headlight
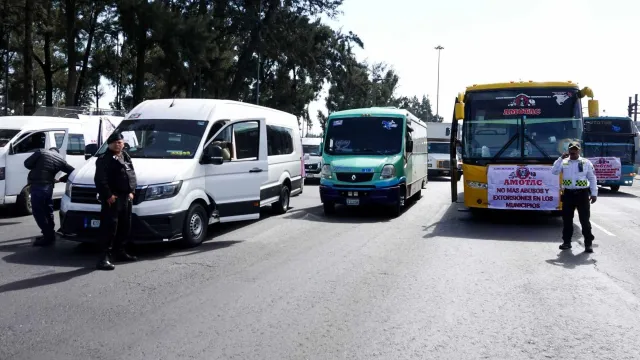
{"x": 326, "y": 171}
{"x": 162, "y": 191}
{"x": 388, "y": 172}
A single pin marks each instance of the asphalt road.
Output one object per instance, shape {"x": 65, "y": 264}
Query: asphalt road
{"x": 431, "y": 284}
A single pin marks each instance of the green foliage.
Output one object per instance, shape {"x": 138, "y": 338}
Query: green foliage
{"x": 202, "y": 49}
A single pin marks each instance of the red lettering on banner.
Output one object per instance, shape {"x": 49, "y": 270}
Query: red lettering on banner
{"x": 523, "y": 182}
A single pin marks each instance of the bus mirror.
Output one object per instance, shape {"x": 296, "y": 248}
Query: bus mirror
{"x": 459, "y": 111}
{"x": 594, "y": 109}
{"x": 586, "y": 91}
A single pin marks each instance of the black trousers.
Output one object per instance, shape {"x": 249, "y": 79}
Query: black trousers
{"x": 115, "y": 224}
{"x": 572, "y": 200}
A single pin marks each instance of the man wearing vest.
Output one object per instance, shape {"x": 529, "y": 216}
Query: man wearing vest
{"x": 580, "y": 188}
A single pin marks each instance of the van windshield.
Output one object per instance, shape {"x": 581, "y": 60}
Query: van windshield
{"x": 313, "y": 150}
{"x": 6, "y": 135}
{"x": 160, "y": 138}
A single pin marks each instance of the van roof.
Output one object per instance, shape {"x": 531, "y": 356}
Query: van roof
{"x": 18, "y": 122}
{"x": 186, "y": 109}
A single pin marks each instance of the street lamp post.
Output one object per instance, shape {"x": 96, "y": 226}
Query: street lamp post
{"x": 438, "y": 91}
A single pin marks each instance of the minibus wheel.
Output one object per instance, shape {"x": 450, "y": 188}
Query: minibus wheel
{"x": 195, "y": 226}
{"x": 396, "y": 210}
{"x": 282, "y": 205}
{"x": 615, "y": 188}
{"x": 24, "y": 202}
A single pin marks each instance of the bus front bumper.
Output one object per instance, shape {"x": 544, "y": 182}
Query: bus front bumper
{"x": 356, "y": 197}
{"x": 625, "y": 181}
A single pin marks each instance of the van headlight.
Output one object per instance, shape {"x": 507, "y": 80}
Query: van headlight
{"x": 67, "y": 189}
{"x": 162, "y": 191}
{"x": 326, "y": 171}
{"x": 388, "y": 172}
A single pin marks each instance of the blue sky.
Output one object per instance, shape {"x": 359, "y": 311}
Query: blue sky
{"x": 593, "y": 43}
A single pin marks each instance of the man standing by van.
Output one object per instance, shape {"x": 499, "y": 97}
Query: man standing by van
{"x": 116, "y": 183}
{"x": 44, "y": 165}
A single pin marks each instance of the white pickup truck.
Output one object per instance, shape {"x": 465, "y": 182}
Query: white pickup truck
{"x": 438, "y": 138}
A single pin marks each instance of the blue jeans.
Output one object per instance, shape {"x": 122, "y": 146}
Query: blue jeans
{"x": 42, "y": 207}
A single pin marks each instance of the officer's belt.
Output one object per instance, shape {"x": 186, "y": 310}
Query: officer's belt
{"x": 576, "y": 190}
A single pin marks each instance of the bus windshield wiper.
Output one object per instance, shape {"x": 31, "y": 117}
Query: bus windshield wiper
{"x": 532, "y": 142}
{"x": 515, "y": 137}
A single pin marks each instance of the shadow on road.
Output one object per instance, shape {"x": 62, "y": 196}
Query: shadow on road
{"x": 523, "y": 226}
{"x": 345, "y": 214}
{"x": 604, "y": 192}
{"x": 49, "y": 279}
{"x": 569, "y": 260}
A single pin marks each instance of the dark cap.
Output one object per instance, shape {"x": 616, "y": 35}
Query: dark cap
{"x": 574, "y": 144}
{"x": 114, "y": 137}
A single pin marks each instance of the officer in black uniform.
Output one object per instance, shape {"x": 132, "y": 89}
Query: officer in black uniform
{"x": 116, "y": 182}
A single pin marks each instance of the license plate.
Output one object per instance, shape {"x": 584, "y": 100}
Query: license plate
{"x": 353, "y": 202}
{"x": 310, "y": 175}
{"x": 95, "y": 223}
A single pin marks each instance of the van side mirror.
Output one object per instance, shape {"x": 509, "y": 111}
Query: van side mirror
{"x": 409, "y": 146}
{"x": 90, "y": 150}
{"x": 212, "y": 155}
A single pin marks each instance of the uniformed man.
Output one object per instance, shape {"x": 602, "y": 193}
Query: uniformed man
{"x": 116, "y": 182}
{"x": 580, "y": 190}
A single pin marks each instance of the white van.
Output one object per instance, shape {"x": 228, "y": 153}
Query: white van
{"x": 197, "y": 162}
{"x": 311, "y": 148}
{"x": 20, "y": 136}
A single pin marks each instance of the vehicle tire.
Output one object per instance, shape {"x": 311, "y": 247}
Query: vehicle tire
{"x": 329, "y": 208}
{"x": 417, "y": 196}
{"x": 615, "y": 188}
{"x": 23, "y": 204}
{"x": 194, "y": 231}
{"x": 282, "y": 206}
{"x": 396, "y": 210}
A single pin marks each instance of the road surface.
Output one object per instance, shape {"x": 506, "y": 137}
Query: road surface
{"x": 431, "y": 284}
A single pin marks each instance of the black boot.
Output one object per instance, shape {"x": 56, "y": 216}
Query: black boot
{"x": 565, "y": 246}
{"x": 123, "y": 256}
{"x": 105, "y": 263}
{"x": 588, "y": 246}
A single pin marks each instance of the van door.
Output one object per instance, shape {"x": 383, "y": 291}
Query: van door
{"x": 234, "y": 184}
{"x": 28, "y": 142}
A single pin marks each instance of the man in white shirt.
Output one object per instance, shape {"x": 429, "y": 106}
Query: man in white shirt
{"x": 580, "y": 189}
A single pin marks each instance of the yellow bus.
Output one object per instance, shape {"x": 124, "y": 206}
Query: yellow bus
{"x": 511, "y": 135}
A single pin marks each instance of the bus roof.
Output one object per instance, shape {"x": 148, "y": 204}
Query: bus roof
{"x": 377, "y": 111}
{"x": 521, "y": 85}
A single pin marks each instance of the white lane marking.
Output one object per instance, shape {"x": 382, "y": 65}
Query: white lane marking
{"x": 597, "y": 227}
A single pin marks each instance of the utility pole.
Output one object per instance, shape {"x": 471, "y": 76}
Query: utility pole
{"x": 633, "y": 108}
{"x": 438, "y": 91}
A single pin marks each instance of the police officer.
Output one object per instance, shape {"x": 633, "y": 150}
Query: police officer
{"x": 116, "y": 182}
{"x": 580, "y": 190}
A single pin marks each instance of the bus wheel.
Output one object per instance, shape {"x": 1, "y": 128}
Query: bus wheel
{"x": 459, "y": 176}
{"x": 615, "y": 188}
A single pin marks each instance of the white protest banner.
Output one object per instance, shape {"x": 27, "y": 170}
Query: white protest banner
{"x": 523, "y": 187}
{"x": 607, "y": 168}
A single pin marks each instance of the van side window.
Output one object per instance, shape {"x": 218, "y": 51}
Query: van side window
{"x": 279, "y": 140}
{"x": 240, "y": 141}
{"x": 32, "y": 143}
{"x": 76, "y": 144}
{"x": 59, "y": 138}
{"x": 214, "y": 129}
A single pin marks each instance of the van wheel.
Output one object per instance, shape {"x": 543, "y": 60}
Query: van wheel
{"x": 195, "y": 226}
{"x": 24, "y": 202}
{"x": 396, "y": 210}
{"x": 329, "y": 208}
{"x": 282, "y": 205}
